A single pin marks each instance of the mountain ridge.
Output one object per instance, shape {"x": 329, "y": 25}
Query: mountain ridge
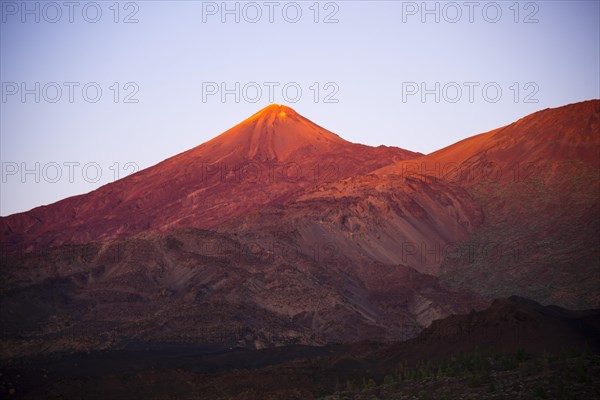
{"x": 257, "y": 162}
{"x": 525, "y": 220}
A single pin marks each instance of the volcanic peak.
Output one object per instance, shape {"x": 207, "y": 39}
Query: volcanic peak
{"x": 274, "y": 133}
{"x": 274, "y": 110}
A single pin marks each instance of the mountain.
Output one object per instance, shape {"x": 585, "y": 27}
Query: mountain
{"x": 537, "y": 181}
{"x": 515, "y": 211}
{"x": 169, "y": 255}
{"x": 269, "y": 158}
{"x": 544, "y": 142}
{"x": 229, "y": 245}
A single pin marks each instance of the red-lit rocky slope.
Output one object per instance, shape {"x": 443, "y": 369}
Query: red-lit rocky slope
{"x": 538, "y": 184}
{"x": 512, "y": 211}
{"x": 267, "y": 159}
{"x": 348, "y": 252}
{"x": 126, "y": 265}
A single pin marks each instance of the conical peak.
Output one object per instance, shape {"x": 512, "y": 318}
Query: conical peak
{"x": 277, "y": 119}
{"x": 274, "y": 111}
{"x": 274, "y": 132}
{"x": 275, "y": 108}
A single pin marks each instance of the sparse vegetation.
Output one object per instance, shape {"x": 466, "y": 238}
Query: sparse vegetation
{"x": 567, "y": 375}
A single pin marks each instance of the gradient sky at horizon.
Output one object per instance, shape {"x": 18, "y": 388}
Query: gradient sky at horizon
{"x": 372, "y": 53}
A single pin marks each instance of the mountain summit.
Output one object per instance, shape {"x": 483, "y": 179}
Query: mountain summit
{"x": 275, "y": 133}
{"x": 268, "y": 158}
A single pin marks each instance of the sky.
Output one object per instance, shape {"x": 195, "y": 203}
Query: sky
{"x": 93, "y": 91}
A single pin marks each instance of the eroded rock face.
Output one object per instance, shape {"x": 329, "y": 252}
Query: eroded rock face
{"x": 195, "y": 286}
{"x": 392, "y": 220}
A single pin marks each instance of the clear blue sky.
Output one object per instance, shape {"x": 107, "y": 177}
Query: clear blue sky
{"x": 368, "y": 57}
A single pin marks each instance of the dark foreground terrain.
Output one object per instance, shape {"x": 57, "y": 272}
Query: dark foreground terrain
{"x": 516, "y": 349}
